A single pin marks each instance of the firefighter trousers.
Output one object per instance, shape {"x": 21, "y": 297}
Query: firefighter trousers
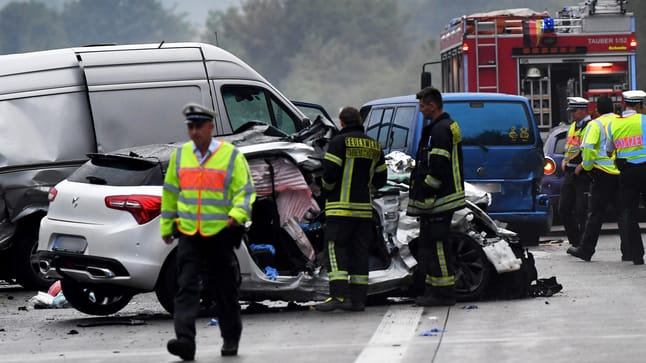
{"x": 573, "y": 205}
{"x": 604, "y": 190}
{"x": 436, "y": 258}
{"x": 348, "y": 247}
{"x": 208, "y": 262}
{"x": 633, "y": 184}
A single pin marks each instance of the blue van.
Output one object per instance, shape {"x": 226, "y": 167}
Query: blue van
{"x": 503, "y": 150}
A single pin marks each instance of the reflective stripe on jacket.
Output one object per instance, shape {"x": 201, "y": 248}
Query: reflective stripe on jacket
{"x": 354, "y": 167}
{"x": 594, "y": 145}
{"x": 436, "y": 182}
{"x": 627, "y": 136}
{"x": 200, "y": 198}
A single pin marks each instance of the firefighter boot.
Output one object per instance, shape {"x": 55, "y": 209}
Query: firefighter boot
{"x": 182, "y": 347}
{"x": 357, "y": 297}
{"x": 333, "y": 303}
{"x": 437, "y": 296}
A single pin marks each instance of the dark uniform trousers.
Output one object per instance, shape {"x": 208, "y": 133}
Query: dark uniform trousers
{"x": 573, "y": 205}
{"x": 348, "y": 246}
{"x": 604, "y": 190}
{"x": 633, "y": 183}
{"x": 213, "y": 259}
{"x": 437, "y": 260}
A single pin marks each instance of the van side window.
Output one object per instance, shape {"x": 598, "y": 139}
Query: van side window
{"x": 401, "y": 127}
{"x": 378, "y": 125}
{"x": 492, "y": 122}
{"x": 250, "y": 103}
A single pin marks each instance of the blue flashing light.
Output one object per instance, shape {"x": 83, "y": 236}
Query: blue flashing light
{"x": 548, "y": 25}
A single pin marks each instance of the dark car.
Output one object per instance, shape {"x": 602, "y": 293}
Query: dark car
{"x": 554, "y": 148}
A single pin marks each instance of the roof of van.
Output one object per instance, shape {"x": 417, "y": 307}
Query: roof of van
{"x": 450, "y": 96}
{"x": 66, "y": 57}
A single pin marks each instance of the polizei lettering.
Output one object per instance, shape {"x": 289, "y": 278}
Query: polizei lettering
{"x": 629, "y": 141}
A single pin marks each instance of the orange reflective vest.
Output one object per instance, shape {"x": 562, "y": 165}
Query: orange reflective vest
{"x": 200, "y": 198}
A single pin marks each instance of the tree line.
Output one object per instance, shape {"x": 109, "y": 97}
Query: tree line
{"x": 332, "y": 52}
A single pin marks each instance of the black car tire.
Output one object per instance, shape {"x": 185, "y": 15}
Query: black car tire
{"x": 166, "y": 286}
{"x": 24, "y": 255}
{"x": 95, "y": 299}
{"x": 473, "y": 269}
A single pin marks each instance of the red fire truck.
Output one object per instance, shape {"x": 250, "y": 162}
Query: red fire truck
{"x": 587, "y": 50}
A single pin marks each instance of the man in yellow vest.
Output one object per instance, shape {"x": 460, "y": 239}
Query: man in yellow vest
{"x": 626, "y": 140}
{"x": 573, "y": 198}
{"x": 207, "y": 196}
{"x": 604, "y": 188}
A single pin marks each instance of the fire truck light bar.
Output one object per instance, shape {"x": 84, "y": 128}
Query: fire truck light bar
{"x": 548, "y": 50}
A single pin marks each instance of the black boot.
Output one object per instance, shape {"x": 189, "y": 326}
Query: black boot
{"x": 229, "y": 347}
{"x": 357, "y": 297}
{"x": 580, "y": 252}
{"x": 437, "y": 296}
{"x": 182, "y": 348}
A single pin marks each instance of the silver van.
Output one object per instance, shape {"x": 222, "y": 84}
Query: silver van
{"x": 58, "y": 105}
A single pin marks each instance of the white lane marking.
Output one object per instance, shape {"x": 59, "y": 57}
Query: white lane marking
{"x": 391, "y": 339}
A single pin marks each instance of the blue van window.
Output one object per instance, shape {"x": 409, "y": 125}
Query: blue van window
{"x": 492, "y": 122}
{"x": 378, "y": 124}
{"x": 401, "y": 127}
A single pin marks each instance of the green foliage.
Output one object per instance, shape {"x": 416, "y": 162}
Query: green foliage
{"x": 122, "y": 21}
{"x": 29, "y": 26}
{"x": 271, "y": 32}
{"x": 26, "y": 26}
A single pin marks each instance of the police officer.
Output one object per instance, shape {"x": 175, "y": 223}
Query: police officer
{"x": 604, "y": 188}
{"x": 437, "y": 190}
{"x": 354, "y": 167}
{"x": 207, "y": 196}
{"x": 573, "y": 200}
{"x": 626, "y": 140}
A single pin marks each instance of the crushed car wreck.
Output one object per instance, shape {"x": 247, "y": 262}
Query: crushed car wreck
{"x": 104, "y": 256}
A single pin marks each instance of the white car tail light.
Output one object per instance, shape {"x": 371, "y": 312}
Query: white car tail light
{"x": 143, "y": 208}
{"x": 52, "y": 194}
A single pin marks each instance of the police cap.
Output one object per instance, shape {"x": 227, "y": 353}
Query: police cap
{"x": 574, "y": 103}
{"x": 634, "y": 96}
{"x": 198, "y": 113}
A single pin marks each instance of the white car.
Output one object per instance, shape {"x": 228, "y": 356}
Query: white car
{"x": 101, "y": 233}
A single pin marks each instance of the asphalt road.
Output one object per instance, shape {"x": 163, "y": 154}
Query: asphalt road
{"x": 600, "y": 316}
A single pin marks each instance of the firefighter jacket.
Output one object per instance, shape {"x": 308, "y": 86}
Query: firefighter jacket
{"x": 575, "y": 134}
{"x": 354, "y": 167}
{"x": 201, "y": 197}
{"x": 593, "y": 145}
{"x": 626, "y": 136}
{"x": 436, "y": 182}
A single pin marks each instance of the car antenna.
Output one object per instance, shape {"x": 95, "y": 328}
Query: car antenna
{"x": 160, "y": 44}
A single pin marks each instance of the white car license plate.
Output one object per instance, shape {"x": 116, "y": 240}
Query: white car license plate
{"x": 66, "y": 243}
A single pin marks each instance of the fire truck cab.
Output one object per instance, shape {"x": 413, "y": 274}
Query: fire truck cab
{"x": 587, "y": 50}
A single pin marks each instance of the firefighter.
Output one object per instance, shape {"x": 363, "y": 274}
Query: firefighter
{"x": 626, "y": 140}
{"x": 573, "y": 198}
{"x": 604, "y": 187}
{"x": 207, "y": 196}
{"x": 437, "y": 190}
{"x": 354, "y": 168}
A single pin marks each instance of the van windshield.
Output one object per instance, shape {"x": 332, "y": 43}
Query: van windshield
{"x": 492, "y": 122}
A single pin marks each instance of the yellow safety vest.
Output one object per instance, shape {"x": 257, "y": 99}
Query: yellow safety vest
{"x": 573, "y": 145}
{"x": 628, "y": 138}
{"x": 200, "y": 198}
{"x": 594, "y": 145}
